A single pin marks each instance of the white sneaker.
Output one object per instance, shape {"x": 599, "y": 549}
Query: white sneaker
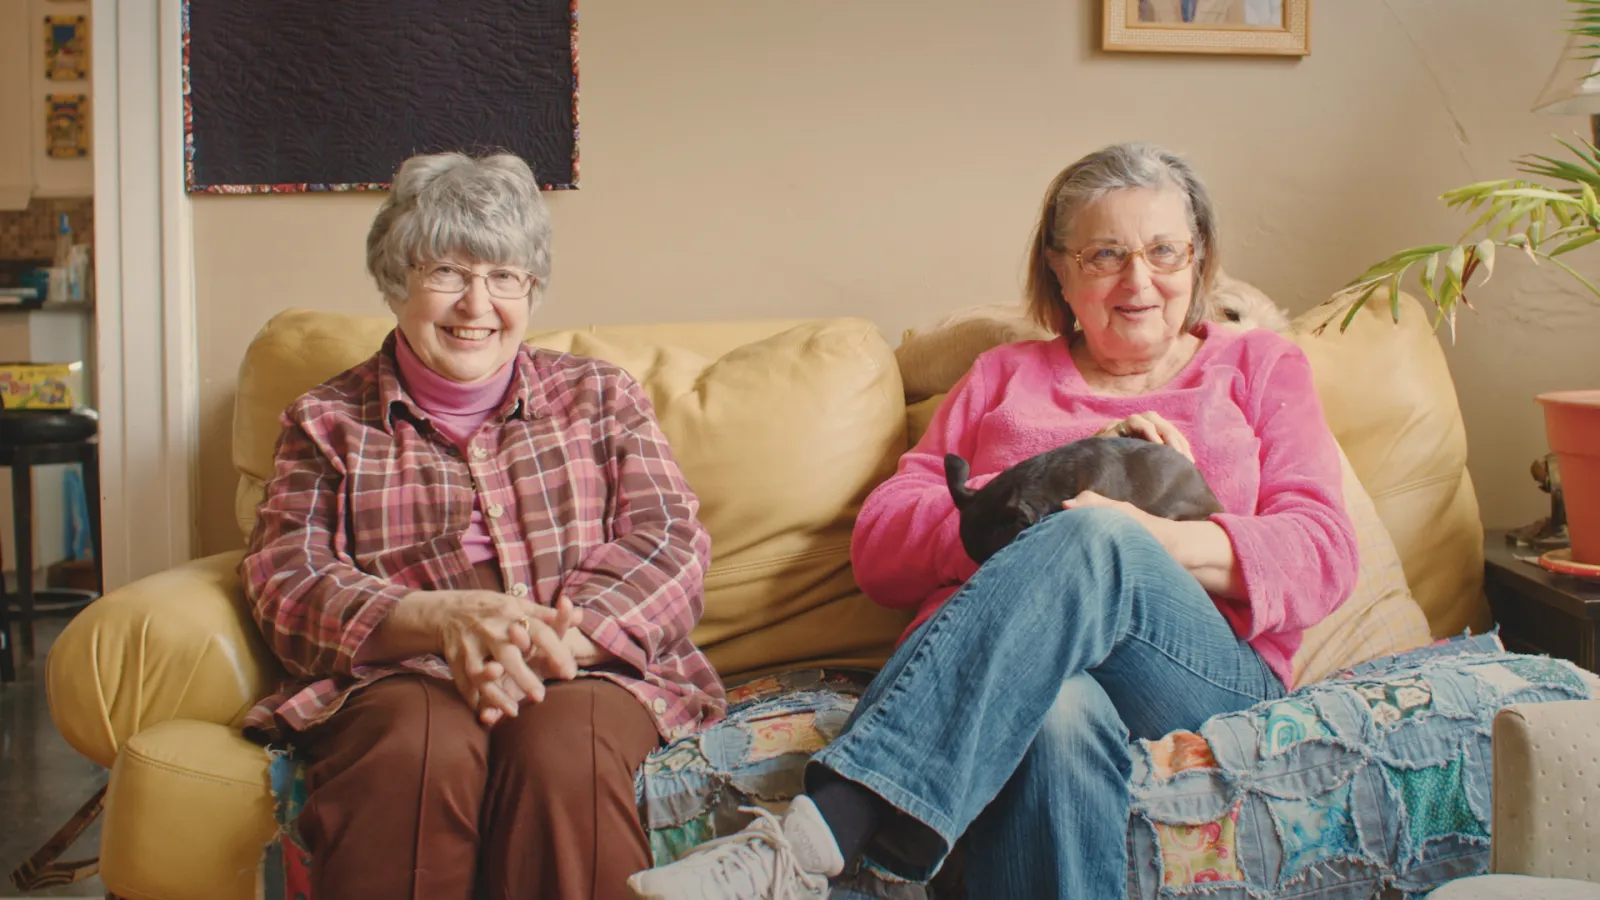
{"x": 757, "y": 863}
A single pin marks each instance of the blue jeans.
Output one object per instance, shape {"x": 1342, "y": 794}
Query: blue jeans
{"x": 1006, "y": 715}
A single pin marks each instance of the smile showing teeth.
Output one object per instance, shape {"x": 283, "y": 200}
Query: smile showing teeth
{"x": 470, "y": 334}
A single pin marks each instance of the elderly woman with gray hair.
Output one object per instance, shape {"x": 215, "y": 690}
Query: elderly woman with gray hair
{"x": 479, "y": 564}
{"x": 1004, "y": 716}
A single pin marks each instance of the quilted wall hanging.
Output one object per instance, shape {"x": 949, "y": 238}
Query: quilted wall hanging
{"x": 285, "y": 96}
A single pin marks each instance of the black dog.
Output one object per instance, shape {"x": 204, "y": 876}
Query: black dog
{"x": 1153, "y": 477}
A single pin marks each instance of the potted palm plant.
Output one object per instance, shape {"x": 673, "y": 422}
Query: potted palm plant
{"x": 1552, "y": 212}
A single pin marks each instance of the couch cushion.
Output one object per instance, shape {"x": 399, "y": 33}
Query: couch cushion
{"x": 1389, "y": 398}
{"x": 188, "y": 811}
{"x": 1380, "y": 617}
{"x": 781, "y": 428}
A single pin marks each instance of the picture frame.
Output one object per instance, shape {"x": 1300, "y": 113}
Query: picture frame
{"x": 67, "y": 126}
{"x": 1236, "y": 27}
{"x": 66, "y": 48}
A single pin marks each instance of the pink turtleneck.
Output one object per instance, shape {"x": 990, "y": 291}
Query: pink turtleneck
{"x": 457, "y": 409}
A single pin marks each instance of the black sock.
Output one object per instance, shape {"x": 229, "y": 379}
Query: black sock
{"x": 853, "y": 813}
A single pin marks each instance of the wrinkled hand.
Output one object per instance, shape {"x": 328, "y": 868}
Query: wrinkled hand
{"x": 488, "y": 640}
{"x": 1150, "y": 426}
{"x": 584, "y": 652}
{"x": 1158, "y": 527}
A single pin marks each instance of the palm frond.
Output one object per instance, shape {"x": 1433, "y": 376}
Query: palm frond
{"x": 1552, "y": 213}
{"x": 1585, "y": 17}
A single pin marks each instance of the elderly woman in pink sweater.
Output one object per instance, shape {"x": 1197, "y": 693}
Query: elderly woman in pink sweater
{"x": 1005, "y": 713}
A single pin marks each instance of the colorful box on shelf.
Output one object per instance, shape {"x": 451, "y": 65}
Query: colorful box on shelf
{"x": 39, "y": 385}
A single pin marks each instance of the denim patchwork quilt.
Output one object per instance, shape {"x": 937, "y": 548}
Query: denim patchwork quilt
{"x": 1375, "y": 782}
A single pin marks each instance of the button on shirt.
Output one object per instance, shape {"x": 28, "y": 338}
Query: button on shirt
{"x": 368, "y": 502}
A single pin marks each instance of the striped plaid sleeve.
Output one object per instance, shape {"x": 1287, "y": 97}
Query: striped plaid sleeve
{"x": 313, "y": 605}
{"x": 641, "y": 593}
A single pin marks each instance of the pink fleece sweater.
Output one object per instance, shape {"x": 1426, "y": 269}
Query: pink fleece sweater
{"x": 1248, "y": 407}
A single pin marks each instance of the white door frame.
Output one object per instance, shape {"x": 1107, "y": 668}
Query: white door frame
{"x": 145, "y": 317}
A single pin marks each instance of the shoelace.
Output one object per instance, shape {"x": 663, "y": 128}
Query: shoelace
{"x": 766, "y": 829}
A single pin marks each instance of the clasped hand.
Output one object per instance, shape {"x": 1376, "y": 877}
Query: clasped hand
{"x": 502, "y": 649}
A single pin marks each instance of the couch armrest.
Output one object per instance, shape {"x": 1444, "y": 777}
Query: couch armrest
{"x": 179, "y": 644}
{"x": 1546, "y": 788}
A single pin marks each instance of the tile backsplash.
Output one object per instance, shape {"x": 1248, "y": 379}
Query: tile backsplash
{"x": 31, "y": 233}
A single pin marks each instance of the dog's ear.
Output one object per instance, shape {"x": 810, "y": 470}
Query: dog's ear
{"x": 955, "y": 476}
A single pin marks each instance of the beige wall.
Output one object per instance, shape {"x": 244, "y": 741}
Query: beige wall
{"x": 747, "y": 159}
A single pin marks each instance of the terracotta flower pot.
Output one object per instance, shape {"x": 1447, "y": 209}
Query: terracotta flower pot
{"x": 1572, "y": 424}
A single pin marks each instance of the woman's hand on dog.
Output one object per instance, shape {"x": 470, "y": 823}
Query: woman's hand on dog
{"x": 1162, "y": 530}
{"x": 1152, "y": 427}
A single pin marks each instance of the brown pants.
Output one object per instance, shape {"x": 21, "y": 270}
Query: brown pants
{"x": 409, "y": 796}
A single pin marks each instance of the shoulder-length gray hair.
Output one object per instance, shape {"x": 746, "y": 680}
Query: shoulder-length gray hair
{"x": 1115, "y": 168}
{"x": 488, "y": 209}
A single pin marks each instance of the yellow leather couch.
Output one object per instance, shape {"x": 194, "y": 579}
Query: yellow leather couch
{"x": 782, "y": 427}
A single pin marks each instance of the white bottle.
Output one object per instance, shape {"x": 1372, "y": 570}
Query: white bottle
{"x": 60, "y": 289}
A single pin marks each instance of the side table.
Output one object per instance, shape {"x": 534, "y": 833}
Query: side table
{"x": 1539, "y": 611}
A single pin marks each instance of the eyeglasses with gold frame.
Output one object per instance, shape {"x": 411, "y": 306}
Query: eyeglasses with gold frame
{"x": 1164, "y": 257}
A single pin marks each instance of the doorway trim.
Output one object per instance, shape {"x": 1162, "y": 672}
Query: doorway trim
{"x": 146, "y": 375}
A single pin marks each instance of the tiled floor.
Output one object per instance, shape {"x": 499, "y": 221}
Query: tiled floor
{"x": 43, "y": 781}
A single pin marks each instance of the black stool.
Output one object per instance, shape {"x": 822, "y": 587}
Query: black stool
{"x": 31, "y": 438}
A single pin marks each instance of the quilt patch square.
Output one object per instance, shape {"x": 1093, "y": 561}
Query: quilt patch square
{"x": 1200, "y": 854}
{"x": 1501, "y": 679}
{"x": 1546, "y": 671}
{"x": 679, "y": 756}
{"x": 670, "y": 844}
{"x": 1315, "y": 830}
{"x": 1178, "y": 752}
{"x": 750, "y": 690}
{"x": 1434, "y": 800}
{"x": 796, "y": 733}
{"x": 1392, "y": 702}
{"x": 1289, "y": 723}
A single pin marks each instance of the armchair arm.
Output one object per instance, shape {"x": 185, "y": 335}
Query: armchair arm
{"x": 179, "y": 644}
{"x": 1546, "y": 788}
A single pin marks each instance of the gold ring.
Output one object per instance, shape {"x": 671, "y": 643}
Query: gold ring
{"x": 527, "y": 626}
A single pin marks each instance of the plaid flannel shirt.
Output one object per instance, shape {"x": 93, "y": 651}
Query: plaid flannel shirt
{"x": 579, "y": 491}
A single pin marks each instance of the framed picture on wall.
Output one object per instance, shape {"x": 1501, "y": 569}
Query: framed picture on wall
{"x": 1246, "y": 27}
{"x": 66, "y": 47}
{"x": 66, "y": 125}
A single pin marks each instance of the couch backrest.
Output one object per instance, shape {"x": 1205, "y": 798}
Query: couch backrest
{"x": 1389, "y": 399}
{"x": 781, "y": 427}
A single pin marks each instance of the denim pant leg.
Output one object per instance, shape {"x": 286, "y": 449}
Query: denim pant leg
{"x": 951, "y": 716}
{"x": 1058, "y": 828}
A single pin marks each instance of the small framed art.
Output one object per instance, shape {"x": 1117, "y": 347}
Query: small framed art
{"x": 1245, "y": 27}
{"x": 66, "y": 47}
{"x": 66, "y": 125}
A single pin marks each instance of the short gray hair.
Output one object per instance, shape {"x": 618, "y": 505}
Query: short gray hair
{"x": 488, "y": 209}
{"x": 1114, "y": 168}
